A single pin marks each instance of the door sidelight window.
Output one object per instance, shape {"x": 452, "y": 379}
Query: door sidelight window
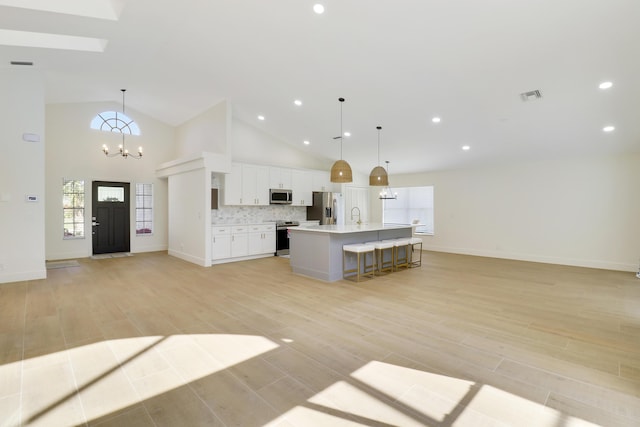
{"x": 144, "y": 209}
{"x": 73, "y": 209}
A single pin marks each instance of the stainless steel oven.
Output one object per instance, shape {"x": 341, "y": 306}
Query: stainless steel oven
{"x": 282, "y": 236}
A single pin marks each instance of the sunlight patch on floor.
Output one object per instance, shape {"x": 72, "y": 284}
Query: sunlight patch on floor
{"x": 382, "y": 393}
{"x": 413, "y": 387}
{"x": 90, "y": 381}
{"x": 302, "y": 416}
{"x": 352, "y": 400}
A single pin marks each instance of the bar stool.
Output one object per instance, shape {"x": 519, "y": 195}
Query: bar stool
{"x": 415, "y": 241}
{"x": 398, "y": 260}
{"x": 367, "y": 270}
{"x": 380, "y": 246}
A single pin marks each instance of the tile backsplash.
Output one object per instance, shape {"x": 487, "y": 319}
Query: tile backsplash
{"x": 257, "y": 214}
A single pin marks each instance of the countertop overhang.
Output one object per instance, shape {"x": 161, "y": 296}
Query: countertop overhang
{"x": 349, "y": 228}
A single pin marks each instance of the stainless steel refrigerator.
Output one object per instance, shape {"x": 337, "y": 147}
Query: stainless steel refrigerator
{"x": 328, "y": 208}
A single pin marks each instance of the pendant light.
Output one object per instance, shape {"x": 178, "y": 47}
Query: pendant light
{"x": 341, "y": 171}
{"x": 123, "y": 151}
{"x": 387, "y": 193}
{"x": 378, "y": 176}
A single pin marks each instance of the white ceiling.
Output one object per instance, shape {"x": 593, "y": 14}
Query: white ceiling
{"x": 398, "y": 63}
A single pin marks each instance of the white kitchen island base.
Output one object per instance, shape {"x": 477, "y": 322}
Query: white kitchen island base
{"x": 317, "y": 251}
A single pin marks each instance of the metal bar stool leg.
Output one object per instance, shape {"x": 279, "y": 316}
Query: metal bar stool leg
{"x": 415, "y": 241}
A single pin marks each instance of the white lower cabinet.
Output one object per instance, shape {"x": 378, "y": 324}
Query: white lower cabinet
{"x": 262, "y": 239}
{"x": 241, "y": 242}
{"x": 221, "y": 243}
{"x": 269, "y": 239}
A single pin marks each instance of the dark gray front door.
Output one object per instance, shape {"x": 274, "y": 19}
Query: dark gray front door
{"x": 110, "y": 217}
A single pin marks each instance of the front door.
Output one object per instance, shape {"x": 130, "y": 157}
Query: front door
{"x": 110, "y": 217}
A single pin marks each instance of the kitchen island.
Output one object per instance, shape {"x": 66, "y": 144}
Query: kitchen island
{"x": 316, "y": 251}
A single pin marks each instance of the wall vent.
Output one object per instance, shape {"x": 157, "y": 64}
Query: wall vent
{"x": 29, "y": 63}
{"x": 531, "y": 95}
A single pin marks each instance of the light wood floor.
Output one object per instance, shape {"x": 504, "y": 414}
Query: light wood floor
{"x": 150, "y": 340}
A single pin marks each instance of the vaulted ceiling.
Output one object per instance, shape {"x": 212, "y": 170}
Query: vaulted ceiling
{"x": 397, "y": 63}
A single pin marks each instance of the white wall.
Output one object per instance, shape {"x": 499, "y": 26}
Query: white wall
{"x": 581, "y": 211}
{"x": 22, "y": 224}
{"x": 252, "y": 145}
{"x": 74, "y": 152}
{"x": 207, "y": 132}
{"x": 189, "y": 220}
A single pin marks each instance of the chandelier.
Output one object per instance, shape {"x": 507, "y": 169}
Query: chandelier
{"x": 120, "y": 126}
{"x": 387, "y": 193}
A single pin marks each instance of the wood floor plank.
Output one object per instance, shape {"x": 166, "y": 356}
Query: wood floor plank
{"x": 153, "y": 340}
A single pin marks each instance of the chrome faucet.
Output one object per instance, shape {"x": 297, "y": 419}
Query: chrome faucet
{"x": 359, "y": 221}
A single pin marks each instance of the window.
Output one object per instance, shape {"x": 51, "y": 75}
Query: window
{"x": 73, "y": 209}
{"x": 414, "y": 205}
{"x": 144, "y": 209}
{"x": 110, "y": 194}
{"x": 112, "y": 121}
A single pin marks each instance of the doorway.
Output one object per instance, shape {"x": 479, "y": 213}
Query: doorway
{"x": 110, "y": 217}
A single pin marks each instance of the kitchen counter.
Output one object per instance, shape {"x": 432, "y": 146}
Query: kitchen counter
{"x": 316, "y": 251}
{"x": 352, "y": 228}
{"x": 237, "y": 222}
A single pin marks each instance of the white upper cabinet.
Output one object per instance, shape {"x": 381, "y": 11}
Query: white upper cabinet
{"x": 302, "y": 187}
{"x": 233, "y": 185}
{"x": 255, "y": 185}
{"x": 280, "y": 178}
{"x": 321, "y": 181}
{"x": 247, "y": 185}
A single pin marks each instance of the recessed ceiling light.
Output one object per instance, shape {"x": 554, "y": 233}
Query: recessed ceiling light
{"x": 605, "y": 85}
{"x": 436, "y": 120}
{"x": 347, "y": 134}
{"x": 466, "y": 147}
{"x": 609, "y": 128}
{"x": 297, "y": 102}
{"x": 260, "y": 117}
{"x": 318, "y": 8}
{"x": 306, "y": 142}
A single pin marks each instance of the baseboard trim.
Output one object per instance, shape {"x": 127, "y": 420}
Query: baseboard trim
{"x": 23, "y": 276}
{"x": 187, "y": 257}
{"x": 599, "y": 264}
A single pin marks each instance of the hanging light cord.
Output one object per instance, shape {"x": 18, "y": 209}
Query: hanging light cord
{"x": 379, "y": 127}
{"x": 341, "y": 134}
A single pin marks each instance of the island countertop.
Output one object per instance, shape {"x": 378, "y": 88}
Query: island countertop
{"x": 348, "y": 228}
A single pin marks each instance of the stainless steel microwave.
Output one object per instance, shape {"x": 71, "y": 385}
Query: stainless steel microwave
{"x": 278, "y": 196}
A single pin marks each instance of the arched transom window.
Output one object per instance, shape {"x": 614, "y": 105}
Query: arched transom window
{"x": 113, "y": 121}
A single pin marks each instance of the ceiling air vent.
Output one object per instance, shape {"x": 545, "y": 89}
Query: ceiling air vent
{"x": 28, "y": 63}
{"x": 531, "y": 95}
